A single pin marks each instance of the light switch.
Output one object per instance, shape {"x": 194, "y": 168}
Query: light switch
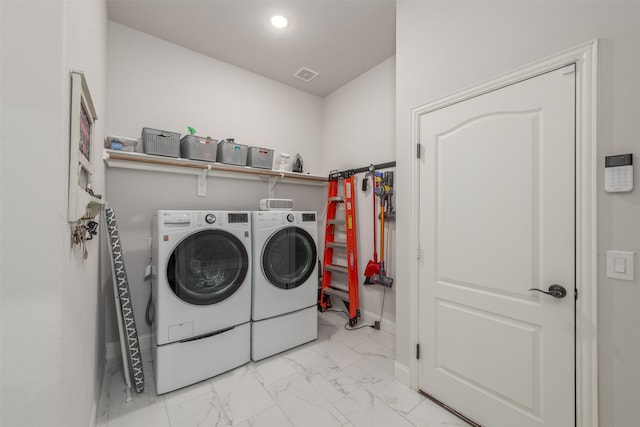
{"x": 621, "y": 265}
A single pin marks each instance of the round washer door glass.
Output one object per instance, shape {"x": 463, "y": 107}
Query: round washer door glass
{"x": 207, "y": 267}
{"x": 289, "y": 257}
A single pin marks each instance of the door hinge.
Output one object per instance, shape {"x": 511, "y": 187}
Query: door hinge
{"x": 575, "y": 293}
{"x": 418, "y": 351}
{"x": 418, "y": 150}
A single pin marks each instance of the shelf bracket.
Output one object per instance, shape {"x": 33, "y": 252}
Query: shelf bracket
{"x": 202, "y": 182}
{"x": 273, "y": 180}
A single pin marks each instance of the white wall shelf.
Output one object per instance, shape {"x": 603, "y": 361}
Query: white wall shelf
{"x": 148, "y": 162}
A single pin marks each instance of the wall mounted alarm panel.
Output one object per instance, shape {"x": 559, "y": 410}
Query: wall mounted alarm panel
{"x": 618, "y": 173}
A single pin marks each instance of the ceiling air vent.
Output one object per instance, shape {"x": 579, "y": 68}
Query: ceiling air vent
{"x": 305, "y": 74}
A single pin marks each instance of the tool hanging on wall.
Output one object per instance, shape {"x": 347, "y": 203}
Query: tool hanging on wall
{"x": 383, "y": 192}
{"x": 374, "y": 271}
{"x": 373, "y": 266}
{"x": 387, "y": 195}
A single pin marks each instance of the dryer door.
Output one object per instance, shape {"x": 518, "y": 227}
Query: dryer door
{"x": 207, "y": 267}
{"x": 289, "y": 257}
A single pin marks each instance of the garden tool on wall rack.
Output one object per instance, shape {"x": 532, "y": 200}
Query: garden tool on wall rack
{"x": 373, "y": 267}
{"x": 387, "y": 182}
{"x": 381, "y": 277}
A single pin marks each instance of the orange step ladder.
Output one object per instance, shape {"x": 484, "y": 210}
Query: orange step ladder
{"x": 340, "y": 246}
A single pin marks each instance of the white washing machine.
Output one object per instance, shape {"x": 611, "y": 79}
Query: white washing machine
{"x": 201, "y": 295}
{"x": 285, "y": 281}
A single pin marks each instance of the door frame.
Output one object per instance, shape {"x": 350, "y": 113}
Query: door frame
{"x": 586, "y": 335}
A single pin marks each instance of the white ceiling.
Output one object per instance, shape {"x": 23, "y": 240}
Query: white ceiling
{"x": 339, "y": 39}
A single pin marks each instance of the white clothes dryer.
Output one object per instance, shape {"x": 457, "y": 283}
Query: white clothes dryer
{"x": 285, "y": 281}
{"x": 201, "y": 295}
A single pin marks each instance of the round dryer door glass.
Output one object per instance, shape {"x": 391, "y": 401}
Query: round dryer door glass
{"x": 289, "y": 257}
{"x": 207, "y": 267}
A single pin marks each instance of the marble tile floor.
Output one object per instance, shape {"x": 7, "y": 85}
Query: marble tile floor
{"x": 343, "y": 379}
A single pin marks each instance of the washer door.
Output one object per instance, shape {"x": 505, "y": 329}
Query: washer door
{"x": 207, "y": 267}
{"x": 289, "y": 257}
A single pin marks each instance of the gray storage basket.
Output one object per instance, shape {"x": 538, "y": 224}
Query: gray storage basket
{"x": 260, "y": 158}
{"x": 231, "y": 153}
{"x": 198, "y": 148}
{"x": 160, "y": 142}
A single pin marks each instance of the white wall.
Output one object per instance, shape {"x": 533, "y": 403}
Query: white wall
{"x": 359, "y": 123}
{"x": 443, "y": 47}
{"x": 51, "y": 339}
{"x": 157, "y": 84}
{"x": 359, "y": 130}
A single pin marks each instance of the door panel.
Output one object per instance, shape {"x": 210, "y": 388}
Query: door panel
{"x": 497, "y": 218}
{"x": 495, "y": 339}
{"x": 467, "y": 173}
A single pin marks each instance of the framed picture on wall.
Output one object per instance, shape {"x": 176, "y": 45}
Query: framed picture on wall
{"x": 85, "y": 132}
{"x": 82, "y": 202}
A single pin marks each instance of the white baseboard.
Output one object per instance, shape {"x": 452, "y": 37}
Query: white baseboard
{"x": 386, "y": 325}
{"x": 100, "y": 391}
{"x": 112, "y": 349}
{"x": 94, "y": 414}
{"x": 402, "y": 374}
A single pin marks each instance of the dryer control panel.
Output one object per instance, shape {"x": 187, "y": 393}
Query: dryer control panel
{"x": 210, "y": 218}
{"x": 176, "y": 219}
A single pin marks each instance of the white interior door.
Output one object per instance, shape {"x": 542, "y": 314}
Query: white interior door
{"x": 497, "y": 218}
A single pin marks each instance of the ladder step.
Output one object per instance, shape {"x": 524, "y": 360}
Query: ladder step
{"x": 337, "y": 221}
{"x": 337, "y": 268}
{"x": 337, "y": 292}
{"x": 337, "y": 245}
{"x": 338, "y": 199}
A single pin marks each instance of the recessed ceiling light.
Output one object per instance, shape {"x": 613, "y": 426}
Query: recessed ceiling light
{"x": 279, "y": 21}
